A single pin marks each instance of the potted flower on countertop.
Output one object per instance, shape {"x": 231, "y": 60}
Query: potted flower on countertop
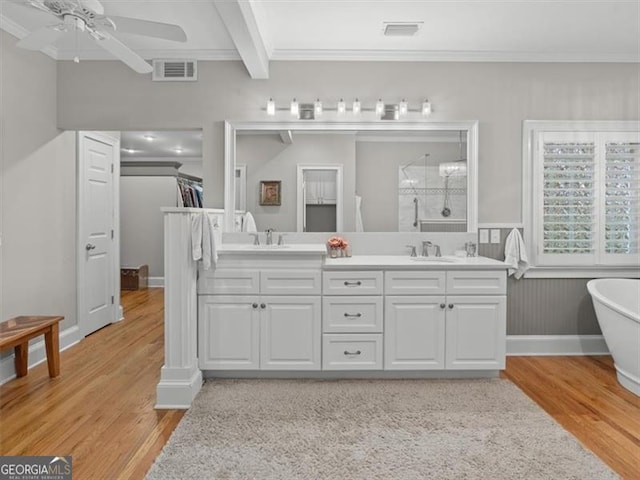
{"x": 338, "y": 247}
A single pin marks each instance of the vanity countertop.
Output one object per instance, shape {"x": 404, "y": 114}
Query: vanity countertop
{"x": 418, "y": 263}
{"x": 288, "y": 249}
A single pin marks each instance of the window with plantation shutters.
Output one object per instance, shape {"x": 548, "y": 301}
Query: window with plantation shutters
{"x": 584, "y": 191}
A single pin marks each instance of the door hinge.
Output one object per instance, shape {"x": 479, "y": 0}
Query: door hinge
{"x": 112, "y": 300}
{"x": 112, "y": 234}
{"x": 112, "y": 168}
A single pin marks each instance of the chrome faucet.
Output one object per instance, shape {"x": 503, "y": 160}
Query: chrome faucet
{"x": 269, "y": 232}
{"x": 425, "y": 248}
{"x": 256, "y": 238}
{"x": 413, "y": 250}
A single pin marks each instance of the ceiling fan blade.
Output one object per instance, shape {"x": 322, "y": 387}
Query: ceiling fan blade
{"x": 94, "y": 5}
{"x": 166, "y": 31}
{"x": 124, "y": 53}
{"x": 40, "y": 38}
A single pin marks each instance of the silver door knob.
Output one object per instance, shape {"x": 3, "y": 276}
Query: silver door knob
{"x": 89, "y": 246}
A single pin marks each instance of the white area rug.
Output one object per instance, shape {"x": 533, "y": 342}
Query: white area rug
{"x": 371, "y": 429}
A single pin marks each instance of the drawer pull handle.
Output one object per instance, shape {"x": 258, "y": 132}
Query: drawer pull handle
{"x": 351, "y": 284}
{"x": 451, "y": 305}
{"x": 255, "y": 305}
{"x": 442, "y": 305}
{"x": 354, "y": 315}
{"x": 357, "y": 352}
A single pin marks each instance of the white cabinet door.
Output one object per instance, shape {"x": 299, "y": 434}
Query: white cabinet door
{"x": 290, "y": 333}
{"x": 414, "y": 330}
{"x": 476, "y": 332}
{"x": 228, "y": 332}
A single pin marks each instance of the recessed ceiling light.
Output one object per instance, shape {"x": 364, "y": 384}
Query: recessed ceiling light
{"x": 149, "y": 138}
{"x": 401, "y": 29}
{"x": 129, "y": 150}
{"x": 178, "y": 150}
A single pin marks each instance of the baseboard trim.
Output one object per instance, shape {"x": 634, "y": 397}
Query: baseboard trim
{"x": 177, "y": 388}
{"x": 37, "y": 353}
{"x": 546, "y": 345}
{"x": 155, "y": 281}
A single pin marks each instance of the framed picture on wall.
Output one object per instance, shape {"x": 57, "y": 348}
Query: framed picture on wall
{"x": 270, "y": 192}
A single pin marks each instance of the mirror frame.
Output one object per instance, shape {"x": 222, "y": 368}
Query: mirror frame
{"x": 232, "y": 127}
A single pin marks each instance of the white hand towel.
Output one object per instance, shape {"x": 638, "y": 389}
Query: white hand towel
{"x": 196, "y": 236}
{"x": 515, "y": 254}
{"x": 249, "y": 223}
{"x": 211, "y": 240}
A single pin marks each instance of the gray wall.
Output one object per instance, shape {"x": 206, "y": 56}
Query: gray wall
{"x": 37, "y": 193}
{"x": 268, "y": 158}
{"x": 142, "y": 222}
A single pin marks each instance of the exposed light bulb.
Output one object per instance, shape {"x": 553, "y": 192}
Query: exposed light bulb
{"x": 271, "y": 107}
{"x": 426, "y": 108}
{"x": 379, "y": 107}
{"x": 295, "y": 110}
{"x": 403, "y": 107}
{"x": 356, "y": 107}
{"x": 342, "y": 107}
{"x": 317, "y": 107}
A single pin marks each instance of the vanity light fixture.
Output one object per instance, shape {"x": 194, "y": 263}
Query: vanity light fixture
{"x": 382, "y": 110}
{"x": 356, "y": 107}
{"x": 271, "y": 107}
{"x": 295, "y": 110}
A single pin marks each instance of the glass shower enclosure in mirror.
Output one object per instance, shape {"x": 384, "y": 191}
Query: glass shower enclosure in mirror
{"x": 354, "y": 177}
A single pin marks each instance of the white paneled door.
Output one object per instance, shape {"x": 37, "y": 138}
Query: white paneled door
{"x": 97, "y": 267}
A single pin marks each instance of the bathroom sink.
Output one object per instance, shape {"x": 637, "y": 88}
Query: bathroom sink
{"x": 269, "y": 247}
{"x": 434, "y": 259}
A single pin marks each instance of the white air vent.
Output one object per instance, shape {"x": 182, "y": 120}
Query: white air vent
{"x": 401, "y": 29}
{"x": 175, "y": 70}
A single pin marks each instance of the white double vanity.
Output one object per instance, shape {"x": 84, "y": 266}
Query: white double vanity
{"x": 289, "y": 310}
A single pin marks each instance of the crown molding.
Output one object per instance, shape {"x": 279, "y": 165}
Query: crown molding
{"x": 193, "y": 54}
{"x": 20, "y": 32}
{"x": 450, "y": 56}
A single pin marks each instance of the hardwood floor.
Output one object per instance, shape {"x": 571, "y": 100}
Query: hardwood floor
{"x": 100, "y": 408}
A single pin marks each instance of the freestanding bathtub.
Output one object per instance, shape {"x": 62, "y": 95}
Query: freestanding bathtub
{"x": 617, "y": 305}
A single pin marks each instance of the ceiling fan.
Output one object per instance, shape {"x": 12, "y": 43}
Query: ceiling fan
{"x": 87, "y": 16}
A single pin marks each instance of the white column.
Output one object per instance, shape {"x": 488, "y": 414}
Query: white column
{"x": 180, "y": 377}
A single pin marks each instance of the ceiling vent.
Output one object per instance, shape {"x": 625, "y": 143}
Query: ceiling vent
{"x": 401, "y": 29}
{"x": 175, "y": 70}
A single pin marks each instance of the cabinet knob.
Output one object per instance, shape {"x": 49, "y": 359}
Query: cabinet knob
{"x": 350, "y": 284}
{"x": 450, "y": 305}
{"x": 262, "y": 305}
{"x": 442, "y": 305}
{"x": 255, "y": 305}
{"x": 357, "y": 352}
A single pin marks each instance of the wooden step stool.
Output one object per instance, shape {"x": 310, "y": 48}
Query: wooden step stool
{"x": 16, "y": 332}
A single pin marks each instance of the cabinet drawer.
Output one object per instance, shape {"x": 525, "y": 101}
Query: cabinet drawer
{"x": 414, "y": 283}
{"x": 352, "y": 283}
{"x": 352, "y": 314}
{"x": 476, "y": 282}
{"x": 290, "y": 282}
{"x": 229, "y": 281}
{"x": 351, "y": 352}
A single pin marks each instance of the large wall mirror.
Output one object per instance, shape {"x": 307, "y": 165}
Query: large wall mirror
{"x": 352, "y": 177}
